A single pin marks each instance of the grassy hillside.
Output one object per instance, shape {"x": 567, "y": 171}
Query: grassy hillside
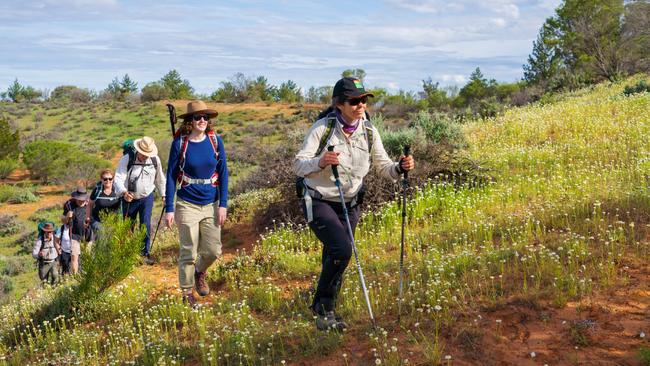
{"x": 565, "y": 220}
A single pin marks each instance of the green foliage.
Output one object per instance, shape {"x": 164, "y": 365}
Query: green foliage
{"x": 640, "y": 87}
{"x": 175, "y": 86}
{"x": 6, "y": 284}
{"x": 154, "y": 91}
{"x": 15, "y": 194}
{"x": 435, "y": 97}
{"x": 120, "y": 89}
{"x": 70, "y": 93}
{"x": 9, "y": 141}
{"x": 50, "y": 213}
{"x": 7, "y": 166}
{"x": 288, "y": 92}
{"x": 17, "y": 92}
{"x": 356, "y": 73}
{"x": 438, "y": 128}
{"x": 241, "y": 88}
{"x": 319, "y": 95}
{"x": 588, "y": 41}
{"x": 114, "y": 255}
{"x": 12, "y": 266}
{"x": 61, "y": 162}
{"x": 8, "y": 224}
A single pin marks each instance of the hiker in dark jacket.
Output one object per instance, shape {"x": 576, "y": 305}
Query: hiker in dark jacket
{"x": 197, "y": 162}
{"x": 357, "y": 147}
{"x": 76, "y": 213}
{"x": 136, "y": 186}
{"x": 46, "y": 251}
{"x": 103, "y": 199}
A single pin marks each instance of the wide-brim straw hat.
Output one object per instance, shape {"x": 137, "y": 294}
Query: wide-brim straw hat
{"x": 80, "y": 194}
{"x": 198, "y": 106}
{"x": 146, "y": 146}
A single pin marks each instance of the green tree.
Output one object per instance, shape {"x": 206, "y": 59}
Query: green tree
{"x": 177, "y": 87}
{"x": 71, "y": 93}
{"x": 120, "y": 89}
{"x": 17, "y": 92}
{"x": 289, "y": 92}
{"x": 321, "y": 95}
{"x": 153, "y": 92}
{"x": 9, "y": 141}
{"x": 357, "y": 73}
{"x": 546, "y": 59}
{"x": 436, "y": 98}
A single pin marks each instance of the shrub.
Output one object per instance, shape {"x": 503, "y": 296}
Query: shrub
{"x": 6, "y": 284}
{"x": 641, "y": 87}
{"x": 71, "y": 93}
{"x": 14, "y": 194}
{"x": 12, "y": 266}
{"x": 438, "y": 128}
{"x": 61, "y": 162}
{"x": 49, "y": 213}
{"x": 9, "y": 225}
{"x": 114, "y": 254}
{"x": 153, "y": 92}
{"x": 7, "y": 166}
{"x": 644, "y": 355}
{"x": 9, "y": 141}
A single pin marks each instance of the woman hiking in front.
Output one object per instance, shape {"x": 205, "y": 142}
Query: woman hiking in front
{"x": 357, "y": 147}
{"x": 197, "y": 163}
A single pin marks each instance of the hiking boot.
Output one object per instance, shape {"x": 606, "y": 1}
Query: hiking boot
{"x": 200, "y": 284}
{"x": 329, "y": 321}
{"x": 189, "y": 299}
{"x": 148, "y": 260}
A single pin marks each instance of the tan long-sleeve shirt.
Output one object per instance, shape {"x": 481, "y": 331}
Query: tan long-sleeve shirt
{"x": 354, "y": 158}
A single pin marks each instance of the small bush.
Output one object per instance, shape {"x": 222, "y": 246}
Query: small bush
{"x": 7, "y": 166}
{"x": 12, "y": 266}
{"x": 641, "y": 87}
{"x": 49, "y": 213}
{"x": 6, "y": 284}
{"x": 9, "y": 225}
{"x": 14, "y": 194}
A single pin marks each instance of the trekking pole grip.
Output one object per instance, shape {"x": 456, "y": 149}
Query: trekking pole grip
{"x": 407, "y": 152}
{"x": 335, "y": 169}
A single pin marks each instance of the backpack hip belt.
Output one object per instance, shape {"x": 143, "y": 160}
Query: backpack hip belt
{"x": 312, "y": 194}
{"x": 185, "y": 180}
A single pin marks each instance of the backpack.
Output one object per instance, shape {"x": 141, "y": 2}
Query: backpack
{"x": 184, "y": 179}
{"x": 129, "y": 148}
{"x": 329, "y": 131}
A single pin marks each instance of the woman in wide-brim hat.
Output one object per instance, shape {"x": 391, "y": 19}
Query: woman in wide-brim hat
{"x": 197, "y": 162}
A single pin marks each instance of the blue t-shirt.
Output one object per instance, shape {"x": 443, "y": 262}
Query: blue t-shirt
{"x": 200, "y": 163}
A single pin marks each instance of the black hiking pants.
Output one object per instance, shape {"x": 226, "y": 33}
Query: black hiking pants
{"x": 331, "y": 229}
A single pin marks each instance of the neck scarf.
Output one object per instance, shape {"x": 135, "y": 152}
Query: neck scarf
{"x": 347, "y": 127}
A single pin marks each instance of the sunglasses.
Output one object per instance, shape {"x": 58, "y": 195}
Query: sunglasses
{"x": 198, "y": 117}
{"x": 107, "y": 179}
{"x": 356, "y": 101}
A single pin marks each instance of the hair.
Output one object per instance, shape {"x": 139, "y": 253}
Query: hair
{"x": 339, "y": 99}
{"x": 105, "y": 171}
{"x": 186, "y": 127}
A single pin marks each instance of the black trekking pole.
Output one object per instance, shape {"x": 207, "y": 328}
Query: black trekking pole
{"x": 354, "y": 247}
{"x": 156, "y": 232}
{"x": 172, "y": 117}
{"x": 405, "y": 186}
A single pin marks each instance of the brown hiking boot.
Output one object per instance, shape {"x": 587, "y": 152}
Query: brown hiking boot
{"x": 200, "y": 284}
{"x": 189, "y": 299}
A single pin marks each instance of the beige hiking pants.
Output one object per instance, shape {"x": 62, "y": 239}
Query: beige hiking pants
{"x": 200, "y": 239}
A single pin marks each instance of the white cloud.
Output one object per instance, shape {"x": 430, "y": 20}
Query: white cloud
{"x": 453, "y": 78}
{"x": 498, "y": 22}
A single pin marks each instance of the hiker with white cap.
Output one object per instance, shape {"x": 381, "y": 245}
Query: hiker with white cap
{"x": 197, "y": 163}
{"x": 135, "y": 181}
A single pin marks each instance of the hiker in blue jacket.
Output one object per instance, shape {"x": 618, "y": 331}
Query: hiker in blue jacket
{"x": 197, "y": 163}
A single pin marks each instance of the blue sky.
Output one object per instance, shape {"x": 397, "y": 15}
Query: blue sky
{"x": 87, "y": 43}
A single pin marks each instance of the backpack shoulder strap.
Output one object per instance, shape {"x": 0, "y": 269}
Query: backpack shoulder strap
{"x": 329, "y": 131}
{"x": 214, "y": 142}
{"x": 369, "y": 134}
